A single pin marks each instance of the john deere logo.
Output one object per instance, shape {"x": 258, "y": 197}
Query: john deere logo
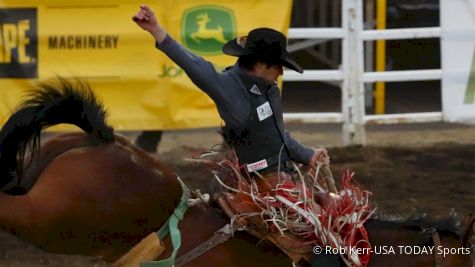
{"x": 205, "y": 29}
{"x": 18, "y": 43}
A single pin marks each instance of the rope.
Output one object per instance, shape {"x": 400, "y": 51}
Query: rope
{"x": 291, "y": 207}
{"x": 171, "y": 227}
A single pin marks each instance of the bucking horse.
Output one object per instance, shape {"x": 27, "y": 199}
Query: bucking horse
{"x": 92, "y": 192}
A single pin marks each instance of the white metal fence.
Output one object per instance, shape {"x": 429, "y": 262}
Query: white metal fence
{"x": 353, "y": 77}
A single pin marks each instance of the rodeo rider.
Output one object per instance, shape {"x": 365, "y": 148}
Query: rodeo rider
{"x": 246, "y": 94}
{"x": 247, "y": 97}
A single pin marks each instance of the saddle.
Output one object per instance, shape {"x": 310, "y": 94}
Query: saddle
{"x": 251, "y": 215}
{"x": 294, "y": 212}
{"x": 296, "y": 249}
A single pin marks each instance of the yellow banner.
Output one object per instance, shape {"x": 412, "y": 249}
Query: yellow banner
{"x": 97, "y": 40}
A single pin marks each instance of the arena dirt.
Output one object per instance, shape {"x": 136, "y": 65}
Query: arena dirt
{"x": 411, "y": 170}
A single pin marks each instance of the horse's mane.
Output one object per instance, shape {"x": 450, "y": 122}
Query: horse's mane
{"x": 50, "y": 103}
{"x": 449, "y": 224}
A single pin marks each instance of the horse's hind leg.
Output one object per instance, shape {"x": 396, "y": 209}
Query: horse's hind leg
{"x": 15, "y": 214}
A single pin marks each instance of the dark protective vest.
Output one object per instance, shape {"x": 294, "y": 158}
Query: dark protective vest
{"x": 259, "y": 138}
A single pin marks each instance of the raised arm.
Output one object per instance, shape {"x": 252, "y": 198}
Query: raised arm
{"x": 200, "y": 71}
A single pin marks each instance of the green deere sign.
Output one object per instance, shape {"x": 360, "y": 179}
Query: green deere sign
{"x": 205, "y": 29}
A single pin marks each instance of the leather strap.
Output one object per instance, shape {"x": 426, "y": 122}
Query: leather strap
{"x": 150, "y": 248}
{"x": 171, "y": 227}
{"x": 220, "y": 236}
{"x": 438, "y": 259}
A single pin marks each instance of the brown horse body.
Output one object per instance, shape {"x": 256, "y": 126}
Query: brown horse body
{"x": 78, "y": 207}
{"x": 91, "y": 193}
{"x": 96, "y": 194}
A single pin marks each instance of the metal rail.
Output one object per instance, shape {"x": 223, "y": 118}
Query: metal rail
{"x": 352, "y": 76}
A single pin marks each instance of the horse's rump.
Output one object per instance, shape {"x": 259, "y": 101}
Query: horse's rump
{"x": 91, "y": 193}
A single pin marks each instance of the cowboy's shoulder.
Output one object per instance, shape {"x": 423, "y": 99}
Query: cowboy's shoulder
{"x": 229, "y": 73}
{"x": 229, "y": 69}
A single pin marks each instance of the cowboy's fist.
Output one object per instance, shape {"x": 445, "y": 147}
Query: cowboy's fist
{"x": 146, "y": 19}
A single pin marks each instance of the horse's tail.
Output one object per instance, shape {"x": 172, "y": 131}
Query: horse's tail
{"x": 49, "y": 104}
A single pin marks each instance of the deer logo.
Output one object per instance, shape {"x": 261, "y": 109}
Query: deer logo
{"x": 206, "y": 33}
{"x": 206, "y": 28}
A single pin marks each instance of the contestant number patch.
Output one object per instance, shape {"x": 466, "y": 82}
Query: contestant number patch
{"x": 259, "y": 165}
{"x": 264, "y": 111}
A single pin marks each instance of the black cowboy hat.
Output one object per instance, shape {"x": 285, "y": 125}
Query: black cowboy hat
{"x": 264, "y": 42}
